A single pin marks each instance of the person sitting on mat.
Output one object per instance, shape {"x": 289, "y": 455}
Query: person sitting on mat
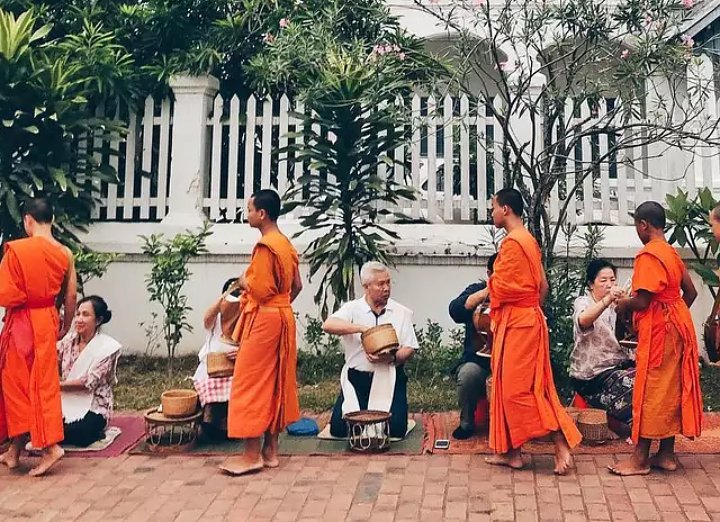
{"x": 373, "y": 382}
{"x": 214, "y": 392}
{"x": 602, "y": 371}
{"x": 88, "y": 360}
{"x": 472, "y": 370}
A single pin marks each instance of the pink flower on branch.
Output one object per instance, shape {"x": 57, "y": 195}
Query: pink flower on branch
{"x": 506, "y": 66}
{"x": 688, "y": 4}
{"x": 687, "y": 41}
{"x": 268, "y": 38}
{"x": 284, "y": 23}
{"x": 625, "y": 54}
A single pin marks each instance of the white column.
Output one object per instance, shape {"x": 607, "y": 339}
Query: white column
{"x": 189, "y": 167}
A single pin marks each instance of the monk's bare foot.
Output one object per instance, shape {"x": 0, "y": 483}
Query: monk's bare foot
{"x": 270, "y": 451}
{"x": 511, "y": 460}
{"x": 270, "y": 461}
{"x": 51, "y": 456}
{"x": 563, "y": 457}
{"x": 242, "y": 465}
{"x": 630, "y": 467}
{"x": 664, "y": 461}
{"x": 10, "y": 458}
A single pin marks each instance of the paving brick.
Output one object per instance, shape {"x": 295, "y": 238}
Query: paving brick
{"x": 457, "y": 487}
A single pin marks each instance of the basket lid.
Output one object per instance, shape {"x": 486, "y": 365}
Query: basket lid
{"x": 367, "y": 416}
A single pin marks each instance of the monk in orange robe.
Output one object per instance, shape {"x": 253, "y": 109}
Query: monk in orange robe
{"x": 666, "y": 399}
{"x": 524, "y": 404}
{"x": 263, "y": 398}
{"x": 36, "y": 276}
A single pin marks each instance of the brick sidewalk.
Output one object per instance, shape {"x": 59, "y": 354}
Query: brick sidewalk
{"x": 358, "y": 488}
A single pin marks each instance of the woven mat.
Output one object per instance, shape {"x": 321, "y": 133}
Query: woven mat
{"x": 441, "y": 425}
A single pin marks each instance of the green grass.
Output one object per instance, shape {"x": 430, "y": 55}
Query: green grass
{"x": 141, "y": 381}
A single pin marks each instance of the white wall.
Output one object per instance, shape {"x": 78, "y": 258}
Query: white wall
{"x": 433, "y": 264}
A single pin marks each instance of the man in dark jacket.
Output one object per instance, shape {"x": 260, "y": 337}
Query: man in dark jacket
{"x": 472, "y": 370}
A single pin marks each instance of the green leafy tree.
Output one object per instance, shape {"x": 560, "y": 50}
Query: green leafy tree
{"x": 90, "y": 265}
{"x": 218, "y": 37}
{"x": 534, "y": 64}
{"x": 689, "y": 227}
{"x": 47, "y": 121}
{"x": 353, "y": 88}
{"x": 169, "y": 272}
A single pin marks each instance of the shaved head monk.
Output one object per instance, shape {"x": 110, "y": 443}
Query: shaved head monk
{"x": 263, "y": 398}
{"x": 37, "y": 276}
{"x": 666, "y": 398}
{"x": 524, "y": 404}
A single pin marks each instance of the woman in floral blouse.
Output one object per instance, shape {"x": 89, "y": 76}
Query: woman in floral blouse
{"x": 602, "y": 371}
{"x": 88, "y": 359}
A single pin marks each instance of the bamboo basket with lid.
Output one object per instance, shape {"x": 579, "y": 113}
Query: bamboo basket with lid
{"x": 379, "y": 339}
{"x": 593, "y": 425}
{"x": 179, "y": 403}
{"x": 220, "y": 365}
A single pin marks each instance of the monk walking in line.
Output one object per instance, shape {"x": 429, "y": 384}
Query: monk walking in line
{"x": 263, "y": 399}
{"x": 37, "y": 275}
{"x": 524, "y": 403}
{"x": 666, "y": 398}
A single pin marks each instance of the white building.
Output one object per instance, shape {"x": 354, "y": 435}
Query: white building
{"x": 212, "y": 151}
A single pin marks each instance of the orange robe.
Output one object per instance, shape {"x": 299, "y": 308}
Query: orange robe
{"x": 524, "y": 403}
{"x": 666, "y": 399}
{"x": 32, "y": 273}
{"x": 264, "y": 387}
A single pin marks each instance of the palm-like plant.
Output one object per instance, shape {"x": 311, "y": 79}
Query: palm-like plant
{"x": 46, "y": 122}
{"x": 355, "y": 119}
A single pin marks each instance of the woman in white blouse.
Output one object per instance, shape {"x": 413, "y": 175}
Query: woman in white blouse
{"x": 88, "y": 359}
{"x": 602, "y": 371}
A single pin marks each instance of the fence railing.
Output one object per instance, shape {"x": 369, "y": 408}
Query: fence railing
{"x": 454, "y": 162}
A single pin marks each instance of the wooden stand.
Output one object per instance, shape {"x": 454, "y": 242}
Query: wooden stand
{"x": 171, "y": 435}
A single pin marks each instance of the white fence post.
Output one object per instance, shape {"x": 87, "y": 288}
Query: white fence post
{"x": 189, "y": 167}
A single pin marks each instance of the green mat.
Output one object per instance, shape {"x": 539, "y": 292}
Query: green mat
{"x": 411, "y": 445}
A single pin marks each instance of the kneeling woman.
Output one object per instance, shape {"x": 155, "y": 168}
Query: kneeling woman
{"x": 602, "y": 371}
{"x": 88, "y": 359}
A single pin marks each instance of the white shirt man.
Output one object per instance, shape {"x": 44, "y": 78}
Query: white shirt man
{"x": 373, "y": 381}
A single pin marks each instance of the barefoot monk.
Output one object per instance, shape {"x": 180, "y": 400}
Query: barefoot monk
{"x": 263, "y": 397}
{"x": 36, "y": 277}
{"x": 524, "y": 404}
{"x": 666, "y": 398}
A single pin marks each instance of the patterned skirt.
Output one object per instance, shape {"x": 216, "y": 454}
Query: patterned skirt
{"x": 611, "y": 391}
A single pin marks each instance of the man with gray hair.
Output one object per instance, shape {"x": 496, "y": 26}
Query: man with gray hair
{"x": 372, "y": 381}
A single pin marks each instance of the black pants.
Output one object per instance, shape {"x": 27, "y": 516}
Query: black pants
{"x": 362, "y": 381}
{"x": 470, "y": 378}
{"x": 85, "y": 431}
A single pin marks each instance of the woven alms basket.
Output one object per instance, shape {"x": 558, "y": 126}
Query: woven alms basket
{"x": 593, "y": 425}
{"x": 219, "y": 365}
{"x": 379, "y": 339}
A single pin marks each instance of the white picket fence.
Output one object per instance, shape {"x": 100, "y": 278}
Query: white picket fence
{"x": 449, "y": 135}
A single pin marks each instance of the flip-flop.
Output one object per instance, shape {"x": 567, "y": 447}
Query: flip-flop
{"x": 245, "y": 471}
{"x": 644, "y": 471}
